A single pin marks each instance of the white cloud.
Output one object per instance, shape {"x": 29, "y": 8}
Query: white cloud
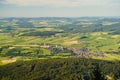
{"x": 63, "y": 3}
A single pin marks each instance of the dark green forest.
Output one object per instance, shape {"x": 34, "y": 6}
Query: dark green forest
{"x": 61, "y": 69}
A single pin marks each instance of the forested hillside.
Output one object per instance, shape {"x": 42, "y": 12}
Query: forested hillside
{"x": 61, "y": 69}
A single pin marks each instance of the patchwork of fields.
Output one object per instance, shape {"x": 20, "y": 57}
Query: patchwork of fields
{"x": 42, "y": 38}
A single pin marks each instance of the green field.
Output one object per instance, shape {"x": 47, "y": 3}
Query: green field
{"x": 56, "y": 38}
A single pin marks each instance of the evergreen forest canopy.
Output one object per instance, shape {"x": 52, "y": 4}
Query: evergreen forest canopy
{"x": 61, "y": 69}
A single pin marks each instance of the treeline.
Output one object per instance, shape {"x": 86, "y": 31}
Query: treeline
{"x": 23, "y": 51}
{"x": 96, "y": 27}
{"x": 35, "y": 51}
{"x": 40, "y": 33}
{"x": 61, "y": 69}
{"x": 25, "y": 24}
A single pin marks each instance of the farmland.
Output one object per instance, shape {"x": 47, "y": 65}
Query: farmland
{"x": 52, "y": 37}
{"x": 46, "y": 48}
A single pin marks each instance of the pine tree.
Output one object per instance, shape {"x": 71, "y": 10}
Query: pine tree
{"x": 97, "y": 73}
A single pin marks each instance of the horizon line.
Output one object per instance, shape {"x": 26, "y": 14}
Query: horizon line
{"x": 56, "y": 16}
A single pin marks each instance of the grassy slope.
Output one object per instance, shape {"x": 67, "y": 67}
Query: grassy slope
{"x": 96, "y": 41}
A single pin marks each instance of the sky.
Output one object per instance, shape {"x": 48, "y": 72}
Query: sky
{"x": 59, "y": 8}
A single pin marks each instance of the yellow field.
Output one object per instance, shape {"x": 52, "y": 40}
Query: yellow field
{"x": 109, "y": 57}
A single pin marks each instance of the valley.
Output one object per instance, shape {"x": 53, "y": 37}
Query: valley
{"x": 46, "y": 48}
{"x": 39, "y": 38}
